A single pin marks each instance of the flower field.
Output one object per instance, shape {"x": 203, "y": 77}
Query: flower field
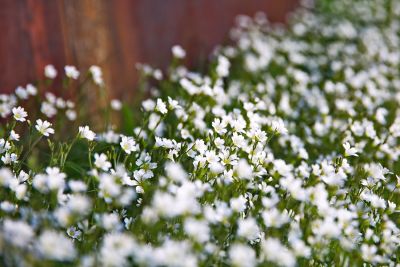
{"x": 283, "y": 152}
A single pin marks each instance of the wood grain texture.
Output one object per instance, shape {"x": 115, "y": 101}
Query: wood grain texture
{"x": 114, "y": 34}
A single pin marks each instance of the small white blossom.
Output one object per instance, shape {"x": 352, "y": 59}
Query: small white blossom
{"x": 14, "y": 136}
{"x": 161, "y": 106}
{"x": 350, "y": 151}
{"x": 101, "y": 162}
{"x": 97, "y": 75}
{"x": 54, "y": 245}
{"x": 44, "y": 127}
{"x": 128, "y": 144}
{"x": 71, "y": 72}
{"x": 50, "y": 71}
{"x": 19, "y": 114}
{"x": 116, "y": 104}
{"x": 86, "y": 133}
{"x": 178, "y": 51}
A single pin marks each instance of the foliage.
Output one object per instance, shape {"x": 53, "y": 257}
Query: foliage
{"x": 284, "y": 153}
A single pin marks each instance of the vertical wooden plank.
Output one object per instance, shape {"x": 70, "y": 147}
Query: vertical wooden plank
{"x": 31, "y": 39}
{"x": 15, "y": 50}
{"x": 114, "y": 34}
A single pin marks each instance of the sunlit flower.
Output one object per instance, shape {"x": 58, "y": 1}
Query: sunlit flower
{"x": 44, "y": 127}
{"x": 86, "y": 133}
{"x": 128, "y": 144}
{"x": 19, "y": 114}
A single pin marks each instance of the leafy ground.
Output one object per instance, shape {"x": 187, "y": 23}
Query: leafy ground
{"x": 284, "y": 153}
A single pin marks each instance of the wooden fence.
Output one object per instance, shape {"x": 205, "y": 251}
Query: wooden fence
{"x": 115, "y": 34}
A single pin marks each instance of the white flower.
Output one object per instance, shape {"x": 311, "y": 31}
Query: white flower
{"x": 14, "y": 136}
{"x": 19, "y": 114}
{"x": 101, "y": 162}
{"x": 223, "y": 66}
{"x": 31, "y": 89}
{"x": 115, "y": 249}
{"x": 78, "y": 204}
{"x": 161, "y": 106}
{"x": 44, "y": 127}
{"x": 6, "y": 176}
{"x": 377, "y": 171}
{"x": 55, "y": 246}
{"x": 148, "y": 105}
{"x": 77, "y": 186}
{"x": 243, "y": 169}
{"x": 86, "y": 133}
{"x": 21, "y": 92}
{"x": 173, "y": 104}
{"x": 4, "y": 145}
{"x": 22, "y": 177}
{"x": 50, "y": 72}
{"x": 178, "y": 51}
{"x": 278, "y": 126}
{"x": 48, "y": 109}
{"x": 369, "y": 253}
{"x": 9, "y": 158}
{"x": 349, "y": 151}
{"x": 71, "y": 72}
{"x": 55, "y": 179}
{"x": 199, "y": 230}
{"x": 71, "y": 114}
{"x": 242, "y": 256}
{"x": 260, "y": 135}
{"x": 97, "y": 75}
{"x": 238, "y": 140}
{"x": 18, "y": 233}
{"x": 128, "y": 144}
{"x": 275, "y": 252}
{"x": 200, "y": 146}
{"x": 248, "y": 228}
{"x": 219, "y": 126}
{"x": 116, "y": 104}
{"x": 175, "y": 172}
{"x": 238, "y": 204}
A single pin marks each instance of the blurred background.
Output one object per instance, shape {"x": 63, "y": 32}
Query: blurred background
{"x": 115, "y": 35}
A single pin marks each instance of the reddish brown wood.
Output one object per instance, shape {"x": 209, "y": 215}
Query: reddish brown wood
{"x": 114, "y": 34}
{"x": 30, "y": 39}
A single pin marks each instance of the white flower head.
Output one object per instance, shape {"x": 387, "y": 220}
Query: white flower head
{"x": 19, "y": 114}
{"x": 223, "y": 66}
{"x": 71, "y": 72}
{"x": 56, "y": 246}
{"x": 219, "y": 126}
{"x": 350, "y": 151}
{"x": 21, "y": 92}
{"x": 50, "y": 72}
{"x": 178, "y": 51}
{"x": 31, "y": 89}
{"x": 148, "y": 105}
{"x": 86, "y": 133}
{"x": 116, "y": 104}
{"x": 97, "y": 75}
{"x": 161, "y": 107}
{"x": 44, "y": 127}
{"x": 128, "y": 144}
{"x": 17, "y": 233}
{"x": 9, "y": 158}
{"x": 101, "y": 162}
{"x": 14, "y": 136}
{"x": 279, "y": 126}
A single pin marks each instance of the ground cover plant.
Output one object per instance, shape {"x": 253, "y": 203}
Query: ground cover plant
{"x": 285, "y": 152}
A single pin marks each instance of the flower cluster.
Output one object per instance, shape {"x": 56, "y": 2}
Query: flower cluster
{"x": 285, "y": 153}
